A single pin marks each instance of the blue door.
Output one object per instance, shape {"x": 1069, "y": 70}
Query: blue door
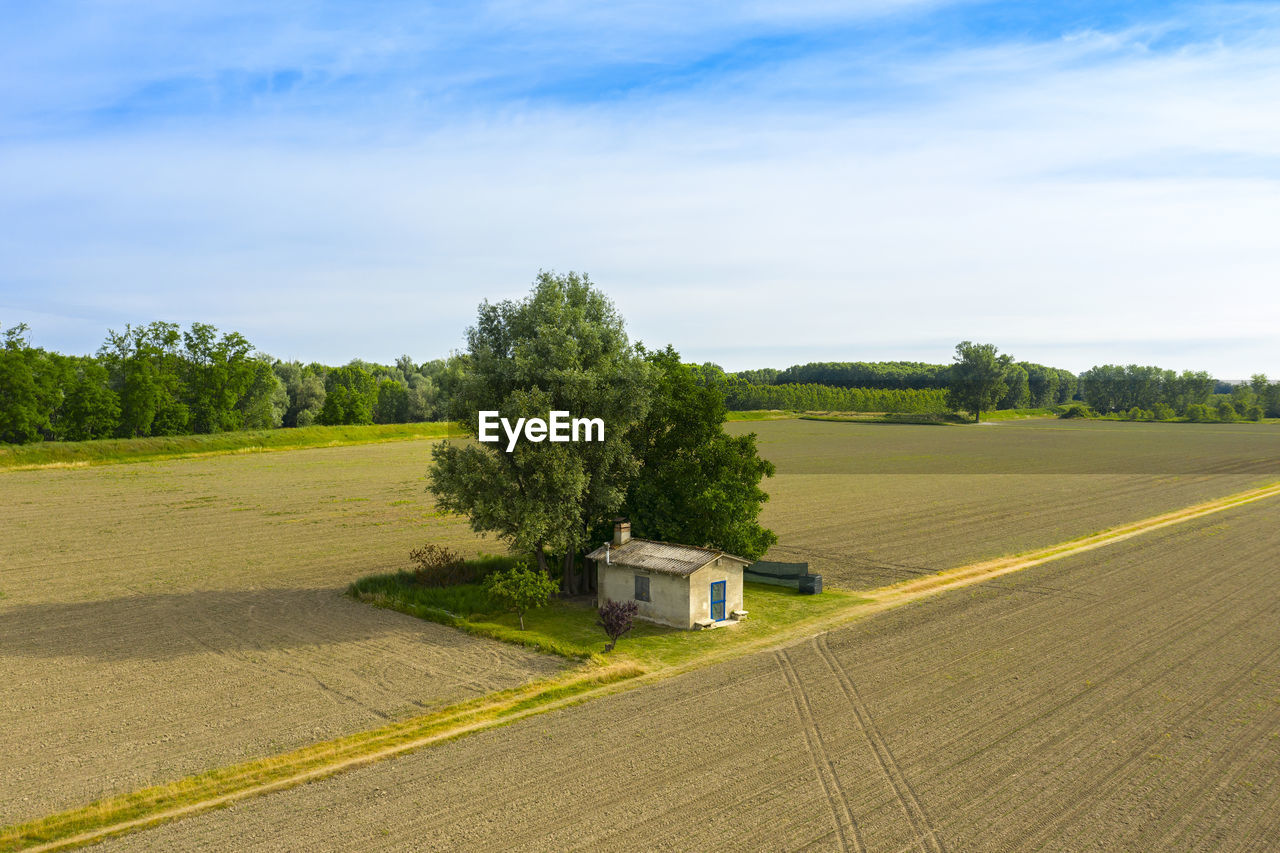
{"x": 717, "y": 601}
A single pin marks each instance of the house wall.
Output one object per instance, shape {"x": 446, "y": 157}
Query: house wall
{"x": 669, "y": 594}
{"x": 722, "y": 569}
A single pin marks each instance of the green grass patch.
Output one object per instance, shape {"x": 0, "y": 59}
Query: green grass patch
{"x": 1017, "y": 414}
{"x": 568, "y": 628}
{"x": 928, "y": 418}
{"x": 761, "y": 415}
{"x": 108, "y": 451}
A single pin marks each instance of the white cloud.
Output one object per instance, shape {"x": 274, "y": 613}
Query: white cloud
{"x": 1080, "y": 201}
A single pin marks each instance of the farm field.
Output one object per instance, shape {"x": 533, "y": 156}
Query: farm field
{"x": 1125, "y": 698}
{"x": 158, "y": 619}
{"x": 869, "y": 504}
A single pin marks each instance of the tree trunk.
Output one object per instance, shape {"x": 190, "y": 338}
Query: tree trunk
{"x": 570, "y": 582}
{"x": 520, "y": 613}
{"x": 541, "y": 557}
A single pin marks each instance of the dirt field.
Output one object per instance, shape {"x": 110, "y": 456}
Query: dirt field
{"x": 1124, "y": 699}
{"x": 868, "y": 504}
{"x": 160, "y": 619}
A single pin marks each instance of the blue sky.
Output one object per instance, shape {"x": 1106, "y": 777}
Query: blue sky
{"x": 756, "y": 184}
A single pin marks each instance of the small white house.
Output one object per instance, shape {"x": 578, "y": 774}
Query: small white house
{"x": 677, "y": 585}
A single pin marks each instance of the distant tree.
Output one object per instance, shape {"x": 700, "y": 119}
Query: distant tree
{"x": 763, "y": 376}
{"x": 617, "y": 618}
{"x": 521, "y": 589}
{"x": 392, "y": 406}
{"x": 1199, "y": 413}
{"x": 264, "y": 401}
{"x": 1226, "y": 411}
{"x": 24, "y": 409}
{"x": 217, "y": 373}
{"x": 350, "y": 395}
{"x": 979, "y": 378}
{"x": 305, "y": 389}
{"x": 89, "y": 408}
{"x": 697, "y": 484}
{"x": 1018, "y": 394}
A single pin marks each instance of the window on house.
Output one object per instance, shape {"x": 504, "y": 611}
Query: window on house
{"x": 642, "y": 588}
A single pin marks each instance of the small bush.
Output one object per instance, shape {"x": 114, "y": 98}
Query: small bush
{"x": 521, "y": 589}
{"x": 1077, "y": 410}
{"x": 1200, "y": 413}
{"x": 1254, "y": 412}
{"x": 1138, "y": 414}
{"x": 436, "y": 565}
{"x": 1226, "y": 412}
{"x": 617, "y": 618}
{"x": 1162, "y": 412}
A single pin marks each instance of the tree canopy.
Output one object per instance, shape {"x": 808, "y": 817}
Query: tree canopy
{"x": 565, "y": 348}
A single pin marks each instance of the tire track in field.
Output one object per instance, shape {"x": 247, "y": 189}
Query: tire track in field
{"x": 836, "y": 797}
{"x": 926, "y": 833}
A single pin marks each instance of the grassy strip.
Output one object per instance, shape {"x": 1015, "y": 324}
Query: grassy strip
{"x": 760, "y": 415}
{"x": 1017, "y": 414}
{"x": 218, "y": 787}
{"x": 931, "y": 418}
{"x": 775, "y": 620}
{"x": 109, "y": 451}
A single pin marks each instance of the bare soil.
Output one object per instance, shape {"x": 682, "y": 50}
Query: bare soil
{"x": 1127, "y": 698}
{"x": 870, "y": 504}
{"x": 159, "y": 619}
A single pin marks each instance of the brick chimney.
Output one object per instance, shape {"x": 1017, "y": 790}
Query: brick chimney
{"x": 621, "y": 532}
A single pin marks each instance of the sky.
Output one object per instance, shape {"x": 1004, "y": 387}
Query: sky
{"x": 757, "y": 184}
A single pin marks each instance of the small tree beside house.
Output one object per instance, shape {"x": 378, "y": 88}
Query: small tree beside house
{"x": 617, "y": 618}
{"x": 521, "y": 588}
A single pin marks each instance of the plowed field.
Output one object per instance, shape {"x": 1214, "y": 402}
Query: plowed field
{"x": 869, "y": 504}
{"x": 159, "y": 619}
{"x": 1123, "y": 699}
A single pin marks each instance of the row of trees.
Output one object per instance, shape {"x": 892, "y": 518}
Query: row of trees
{"x": 665, "y": 461}
{"x": 157, "y": 379}
{"x": 743, "y": 396}
{"x": 1044, "y": 386}
{"x": 1113, "y": 388}
{"x": 889, "y": 386}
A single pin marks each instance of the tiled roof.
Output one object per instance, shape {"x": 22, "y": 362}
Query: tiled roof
{"x": 659, "y": 556}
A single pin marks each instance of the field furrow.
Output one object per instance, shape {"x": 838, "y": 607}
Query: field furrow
{"x": 1146, "y": 712}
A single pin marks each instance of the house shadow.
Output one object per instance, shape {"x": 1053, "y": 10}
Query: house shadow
{"x": 168, "y": 626}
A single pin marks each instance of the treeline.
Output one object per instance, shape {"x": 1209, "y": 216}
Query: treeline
{"x": 886, "y": 386}
{"x": 744, "y": 396}
{"x": 158, "y": 380}
{"x": 1033, "y": 385}
{"x": 1149, "y": 392}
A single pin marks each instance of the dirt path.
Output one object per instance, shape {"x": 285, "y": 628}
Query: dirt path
{"x": 1137, "y": 709}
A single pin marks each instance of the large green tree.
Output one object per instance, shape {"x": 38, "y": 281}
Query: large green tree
{"x": 697, "y": 484}
{"x": 28, "y": 388}
{"x": 979, "y": 378}
{"x": 564, "y": 347}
